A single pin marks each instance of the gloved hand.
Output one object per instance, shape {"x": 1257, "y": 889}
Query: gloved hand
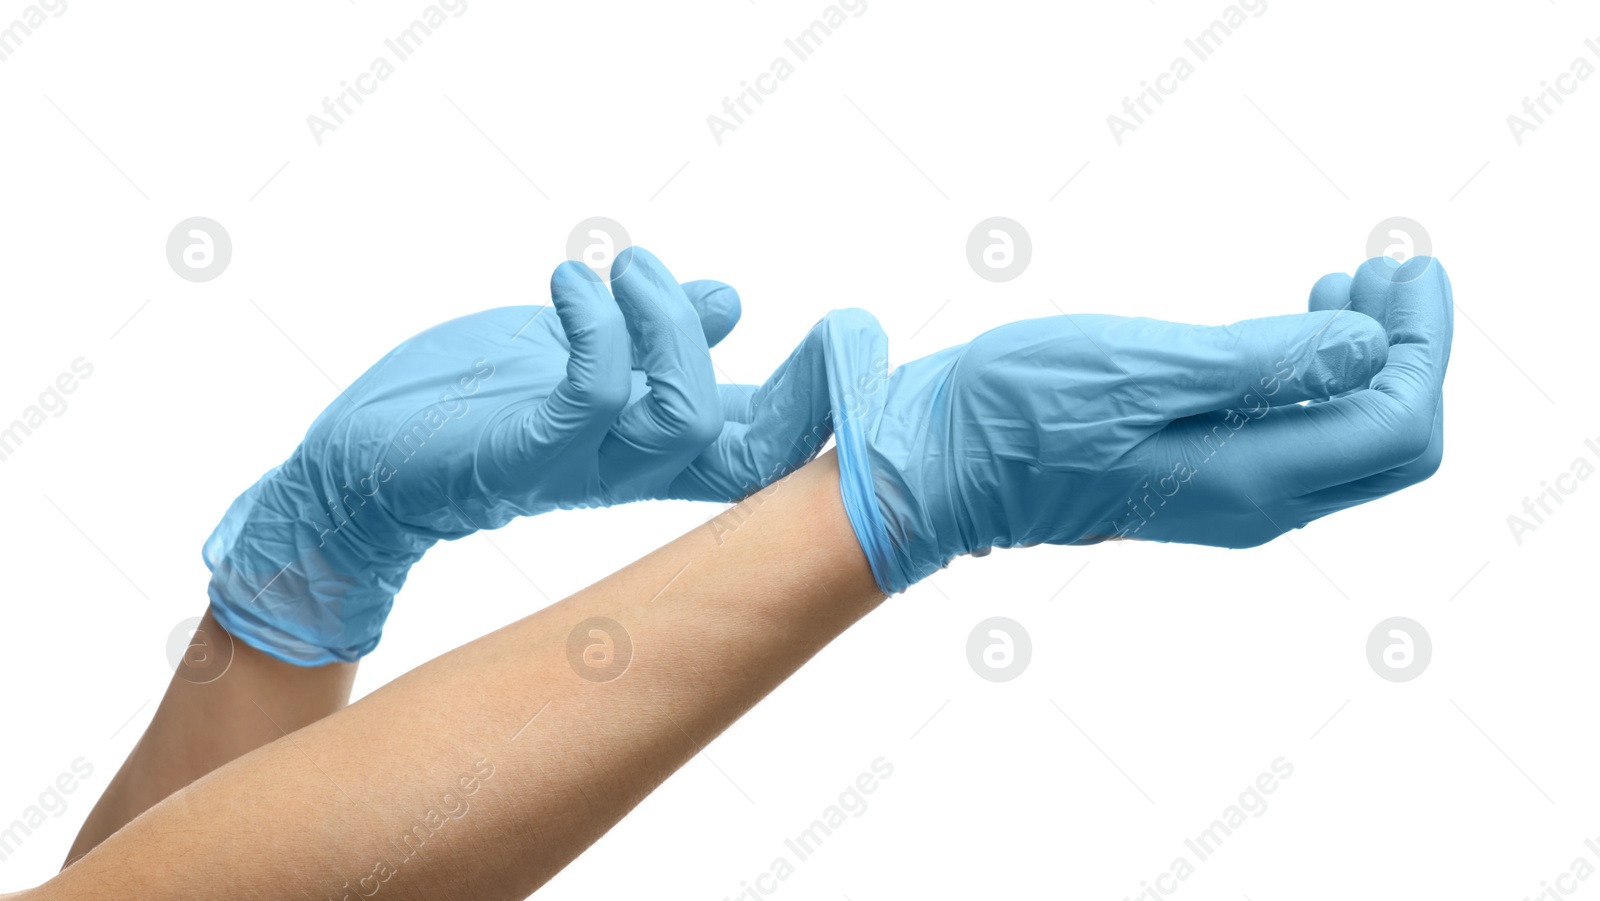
{"x": 1077, "y": 429}
{"x": 508, "y": 412}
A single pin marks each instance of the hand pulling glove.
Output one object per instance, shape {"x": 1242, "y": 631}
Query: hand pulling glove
{"x": 509, "y": 412}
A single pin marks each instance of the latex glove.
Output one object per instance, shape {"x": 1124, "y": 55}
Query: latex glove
{"x": 509, "y": 412}
{"x": 1336, "y": 292}
{"x": 1076, "y": 429}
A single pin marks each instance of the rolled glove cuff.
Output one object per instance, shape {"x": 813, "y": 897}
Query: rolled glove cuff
{"x": 858, "y": 388}
{"x": 299, "y": 589}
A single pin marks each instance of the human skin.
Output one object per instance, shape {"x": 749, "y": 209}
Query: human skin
{"x": 1412, "y": 368}
{"x": 242, "y": 698}
{"x": 225, "y": 699}
{"x": 499, "y": 760}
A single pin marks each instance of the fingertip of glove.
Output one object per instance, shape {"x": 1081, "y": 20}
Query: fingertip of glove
{"x": 851, "y": 318}
{"x": 571, "y": 274}
{"x": 718, "y": 305}
{"x": 1331, "y": 292}
{"x": 1388, "y": 272}
{"x": 629, "y": 257}
{"x": 1352, "y": 350}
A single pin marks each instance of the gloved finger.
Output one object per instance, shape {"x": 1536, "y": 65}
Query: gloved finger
{"x": 1188, "y": 370}
{"x": 1419, "y": 317}
{"x": 1332, "y": 292}
{"x": 681, "y": 413}
{"x": 595, "y": 388}
{"x": 1396, "y": 419}
{"x": 1342, "y": 497}
{"x": 770, "y": 431}
{"x": 718, "y": 306}
{"x": 1304, "y": 449}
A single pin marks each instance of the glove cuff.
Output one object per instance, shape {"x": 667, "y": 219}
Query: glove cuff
{"x": 279, "y": 579}
{"x": 858, "y": 387}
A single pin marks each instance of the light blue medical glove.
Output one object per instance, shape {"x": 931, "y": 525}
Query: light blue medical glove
{"x": 1337, "y": 292}
{"x": 1077, "y": 429}
{"x": 510, "y": 412}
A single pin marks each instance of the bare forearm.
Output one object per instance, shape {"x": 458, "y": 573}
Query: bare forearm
{"x": 225, "y": 700}
{"x": 485, "y": 771}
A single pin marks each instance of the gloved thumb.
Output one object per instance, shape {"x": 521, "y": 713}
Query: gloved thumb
{"x": 718, "y": 306}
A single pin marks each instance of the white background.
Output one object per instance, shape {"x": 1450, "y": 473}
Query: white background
{"x": 1163, "y": 678}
